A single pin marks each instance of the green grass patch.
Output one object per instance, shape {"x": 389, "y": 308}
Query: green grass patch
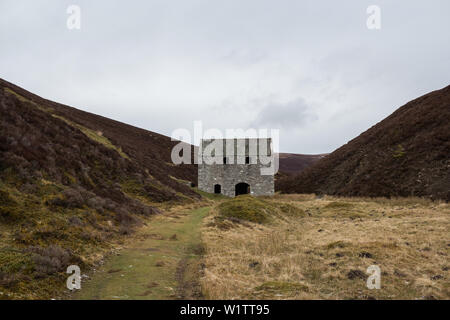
{"x": 14, "y": 260}
{"x": 210, "y": 196}
{"x": 25, "y": 100}
{"x": 247, "y": 208}
{"x": 399, "y": 151}
{"x": 137, "y": 190}
{"x": 281, "y": 287}
{"x": 94, "y": 135}
{"x": 133, "y": 187}
{"x": 148, "y": 269}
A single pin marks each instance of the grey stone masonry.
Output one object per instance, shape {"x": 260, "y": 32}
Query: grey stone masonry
{"x": 234, "y": 166}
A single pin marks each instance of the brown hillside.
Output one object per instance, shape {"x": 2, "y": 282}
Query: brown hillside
{"x": 406, "y": 154}
{"x": 71, "y": 184}
{"x": 148, "y": 150}
{"x": 292, "y": 163}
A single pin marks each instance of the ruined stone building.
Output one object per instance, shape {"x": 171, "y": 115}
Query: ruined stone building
{"x": 236, "y": 166}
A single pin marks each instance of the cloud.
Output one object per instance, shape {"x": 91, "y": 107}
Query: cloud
{"x": 292, "y": 114}
{"x": 231, "y": 64}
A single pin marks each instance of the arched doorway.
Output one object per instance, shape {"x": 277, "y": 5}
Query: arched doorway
{"x": 217, "y": 188}
{"x": 242, "y": 188}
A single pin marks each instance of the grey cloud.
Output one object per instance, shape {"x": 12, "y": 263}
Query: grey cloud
{"x": 293, "y": 114}
{"x": 161, "y": 65}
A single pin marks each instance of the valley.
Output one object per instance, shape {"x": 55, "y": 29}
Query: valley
{"x": 283, "y": 247}
{"x": 80, "y": 189}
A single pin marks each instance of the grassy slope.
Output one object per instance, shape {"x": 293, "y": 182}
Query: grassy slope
{"x": 322, "y": 249}
{"x": 152, "y": 265}
{"x": 68, "y": 195}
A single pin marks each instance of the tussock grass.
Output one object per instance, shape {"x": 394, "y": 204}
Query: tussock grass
{"x": 320, "y": 250}
{"x": 246, "y": 208}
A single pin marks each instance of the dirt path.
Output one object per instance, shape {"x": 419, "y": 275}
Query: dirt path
{"x": 161, "y": 264}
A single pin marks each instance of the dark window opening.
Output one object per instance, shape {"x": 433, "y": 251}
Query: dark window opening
{"x": 247, "y": 160}
{"x": 224, "y": 160}
{"x": 242, "y": 188}
{"x": 217, "y": 188}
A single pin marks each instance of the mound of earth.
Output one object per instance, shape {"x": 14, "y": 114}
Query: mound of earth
{"x": 246, "y": 208}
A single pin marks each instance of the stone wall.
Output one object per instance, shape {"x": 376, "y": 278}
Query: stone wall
{"x": 230, "y": 174}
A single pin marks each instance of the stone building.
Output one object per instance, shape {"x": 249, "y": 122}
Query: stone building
{"x": 236, "y": 166}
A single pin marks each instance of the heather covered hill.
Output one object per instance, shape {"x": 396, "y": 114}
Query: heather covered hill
{"x": 71, "y": 183}
{"x": 406, "y": 154}
{"x": 147, "y": 149}
{"x": 292, "y": 163}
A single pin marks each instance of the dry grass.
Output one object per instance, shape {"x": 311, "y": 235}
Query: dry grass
{"x": 309, "y": 256}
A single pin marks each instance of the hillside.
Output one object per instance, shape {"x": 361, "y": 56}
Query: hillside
{"x": 406, "y": 154}
{"x": 292, "y": 163}
{"x": 145, "y": 148}
{"x": 71, "y": 183}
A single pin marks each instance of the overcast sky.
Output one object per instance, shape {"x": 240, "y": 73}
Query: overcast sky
{"x": 309, "y": 68}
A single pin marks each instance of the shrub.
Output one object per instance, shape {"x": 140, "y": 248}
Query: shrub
{"x": 97, "y": 203}
{"x": 51, "y": 259}
{"x": 126, "y": 229}
{"x": 75, "y": 221}
{"x": 7, "y": 280}
{"x": 73, "y": 198}
{"x": 125, "y": 218}
{"x": 126, "y": 221}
